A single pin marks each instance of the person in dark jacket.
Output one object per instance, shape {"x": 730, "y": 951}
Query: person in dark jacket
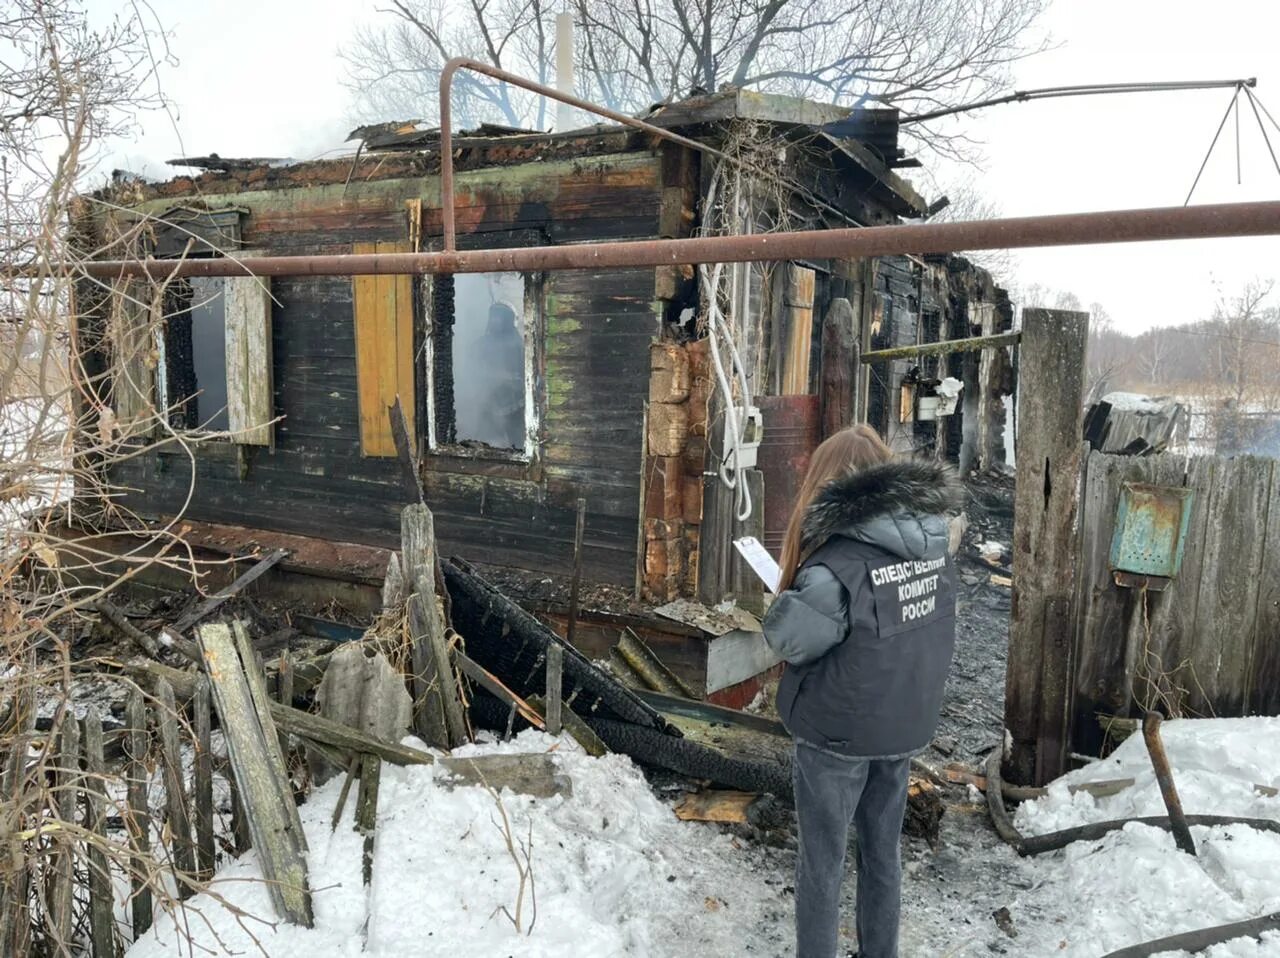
{"x": 865, "y": 619}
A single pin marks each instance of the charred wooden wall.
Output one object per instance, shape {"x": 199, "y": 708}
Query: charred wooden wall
{"x": 938, "y": 300}
{"x": 594, "y": 372}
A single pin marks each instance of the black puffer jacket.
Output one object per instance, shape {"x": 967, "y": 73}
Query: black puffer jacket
{"x": 868, "y": 626}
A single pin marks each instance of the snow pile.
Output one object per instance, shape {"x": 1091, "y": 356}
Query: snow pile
{"x": 1134, "y": 885}
{"x": 1137, "y": 402}
{"x": 615, "y": 874}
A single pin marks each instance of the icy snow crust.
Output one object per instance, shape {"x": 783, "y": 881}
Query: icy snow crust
{"x": 615, "y": 874}
{"x": 1134, "y": 885}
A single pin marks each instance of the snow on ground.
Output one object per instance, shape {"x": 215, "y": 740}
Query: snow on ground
{"x": 615, "y": 874}
{"x": 1134, "y": 885}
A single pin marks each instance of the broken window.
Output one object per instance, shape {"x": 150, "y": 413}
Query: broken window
{"x": 213, "y": 357}
{"x": 481, "y": 362}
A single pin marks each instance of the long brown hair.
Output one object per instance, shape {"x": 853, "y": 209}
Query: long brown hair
{"x": 843, "y": 454}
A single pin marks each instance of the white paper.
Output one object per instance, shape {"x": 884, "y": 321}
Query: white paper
{"x": 760, "y": 561}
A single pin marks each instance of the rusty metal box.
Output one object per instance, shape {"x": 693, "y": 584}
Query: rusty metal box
{"x": 1151, "y": 529}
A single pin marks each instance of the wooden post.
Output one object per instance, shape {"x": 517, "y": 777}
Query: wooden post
{"x": 284, "y": 692}
{"x": 203, "y": 785}
{"x": 175, "y": 786}
{"x": 839, "y": 367}
{"x": 139, "y": 820}
{"x": 555, "y": 675}
{"x": 367, "y": 810}
{"x": 239, "y": 694}
{"x": 1039, "y": 681}
{"x": 434, "y": 679}
{"x": 571, "y": 630}
{"x": 102, "y": 929}
{"x": 69, "y": 782}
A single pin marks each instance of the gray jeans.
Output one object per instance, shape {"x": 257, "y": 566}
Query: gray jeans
{"x": 830, "y": 792}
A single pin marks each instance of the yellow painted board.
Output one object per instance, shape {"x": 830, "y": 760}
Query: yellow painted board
{"x": 383, "y": 308}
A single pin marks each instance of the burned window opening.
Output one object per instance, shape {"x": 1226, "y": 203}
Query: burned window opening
{"x": 442, "y": 360}
{"x": 480, "y": 350}
{"x": 195, "y": 362}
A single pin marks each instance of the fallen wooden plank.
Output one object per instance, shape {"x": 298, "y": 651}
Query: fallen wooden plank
{"x": 257, "y": 764}
{"x": 535, "y": 773}
{"x": 715, "y": 805}
{"x": 646, "y": 664}
{"x": 298, "y": 722}
{"x": 211, "y": 604}
{"x": 491, "y": 683}
{"x": 958, "y": 774}
{"x": 578, "y": 730}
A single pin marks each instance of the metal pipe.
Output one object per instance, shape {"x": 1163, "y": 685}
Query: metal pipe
{"x": 1071, "y": 229}
{"x": 446, "y": 132}
{"x": 1168, "y": 790}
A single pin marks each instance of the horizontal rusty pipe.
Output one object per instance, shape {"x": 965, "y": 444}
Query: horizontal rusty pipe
{"x": 446, "y": 131}
{"x": 1071, "y": 229}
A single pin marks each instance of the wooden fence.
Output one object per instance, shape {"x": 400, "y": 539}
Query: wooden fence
{"x": 1209, "y": 644}
{"x": 104, "y": 791}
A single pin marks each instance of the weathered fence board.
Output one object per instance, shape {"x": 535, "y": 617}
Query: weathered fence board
{"x": 62, "y": 885}
{"x": 102, "y": 929}
{"x": 139, "y": 818}
{"x": 203, "y": 781}
{"x": 1232, "y": 560}
{"x": 1209, "y": 643}
{"x": 1171, "y": 614}
{"x": 1264, "y": 669}
{"x": 184, "y": 853}
{"x": 257, "y": 764}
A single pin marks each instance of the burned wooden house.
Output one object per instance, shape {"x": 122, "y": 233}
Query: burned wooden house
{"x": 523, "y": 394}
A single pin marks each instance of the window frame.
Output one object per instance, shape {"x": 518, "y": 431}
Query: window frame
{"x": 533, "y": 325}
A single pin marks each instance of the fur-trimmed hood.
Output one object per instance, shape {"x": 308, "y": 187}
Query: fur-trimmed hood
{"x": 899, "y": 506}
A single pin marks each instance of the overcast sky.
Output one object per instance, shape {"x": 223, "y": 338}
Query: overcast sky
{"x": 263, "y": 78}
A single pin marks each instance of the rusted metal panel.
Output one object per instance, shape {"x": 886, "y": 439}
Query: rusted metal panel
{"x": 791, "y": 433}
{"x": 1151, "y": 529}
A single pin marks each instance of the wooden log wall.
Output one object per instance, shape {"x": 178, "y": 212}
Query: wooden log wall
{"x": 592, "y": 373}
{"x": 1209, "y": 644}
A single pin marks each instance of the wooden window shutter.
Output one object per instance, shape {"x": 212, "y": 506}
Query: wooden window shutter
{"x": 250, "y": 405}
{"x": 133, "y": 357}
{"x": 384, "y": 351}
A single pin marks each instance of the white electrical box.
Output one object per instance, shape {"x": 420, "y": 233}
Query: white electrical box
{"x": 752, "y": 426}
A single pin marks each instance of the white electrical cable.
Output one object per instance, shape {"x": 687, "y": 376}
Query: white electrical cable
{"x": 716, "y": 327}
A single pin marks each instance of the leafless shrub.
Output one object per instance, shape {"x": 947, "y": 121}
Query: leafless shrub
{"x": 66, "y": 86}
